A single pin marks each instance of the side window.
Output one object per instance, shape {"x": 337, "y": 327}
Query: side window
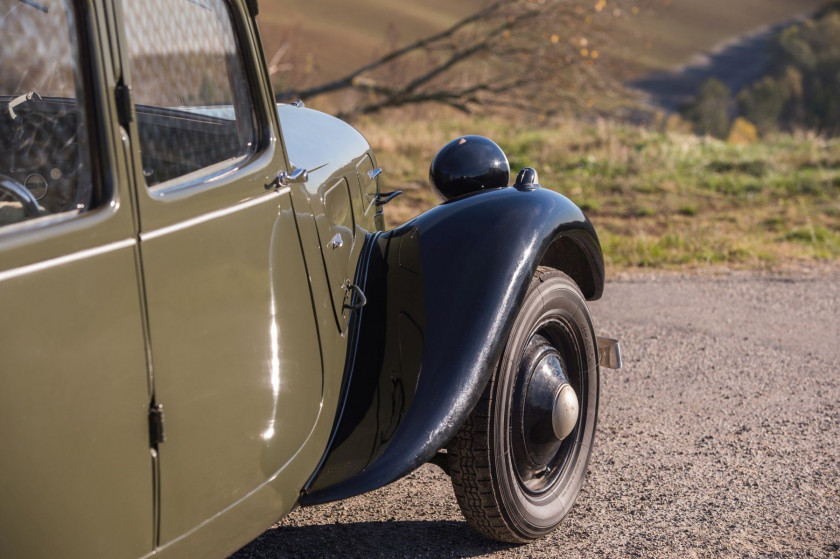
{"x": 189, "y": 88}
{"x": 44, "y": 157}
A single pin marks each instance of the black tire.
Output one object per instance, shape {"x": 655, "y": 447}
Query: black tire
{"x": 493, "y": 457}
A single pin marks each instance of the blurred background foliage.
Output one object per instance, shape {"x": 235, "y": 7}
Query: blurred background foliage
{"x": 724, "y": 157}
{"x": 800, "y": 90}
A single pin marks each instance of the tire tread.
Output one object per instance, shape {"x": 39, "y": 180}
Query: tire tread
{"x": 470, "y": 460}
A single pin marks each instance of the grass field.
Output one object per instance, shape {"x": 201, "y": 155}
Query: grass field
{"x": 657, "y": 199}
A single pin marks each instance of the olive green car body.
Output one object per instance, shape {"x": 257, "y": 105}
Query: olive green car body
{"x": 206, "y": 299}
{"x": 182, "y": 360}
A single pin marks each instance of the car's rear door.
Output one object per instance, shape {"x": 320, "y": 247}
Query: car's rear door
{"x": 75, "y": 469}
{"x": 235, "y": 354}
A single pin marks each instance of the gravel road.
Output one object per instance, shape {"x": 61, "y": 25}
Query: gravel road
{"x": 720, "y": 437}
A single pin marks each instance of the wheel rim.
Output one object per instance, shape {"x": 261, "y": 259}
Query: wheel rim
{"x": 548, "y": 407}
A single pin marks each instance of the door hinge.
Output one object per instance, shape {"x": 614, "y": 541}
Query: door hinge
{"x": 123, "y": 96}
{"x": 156, "y": 434}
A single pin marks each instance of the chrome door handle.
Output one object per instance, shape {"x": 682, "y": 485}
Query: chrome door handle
{"x": 355, "y": 289}
{"x": 285, "y": 178}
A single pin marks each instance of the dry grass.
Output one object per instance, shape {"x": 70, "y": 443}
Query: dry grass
{"x": 659, "y": 200}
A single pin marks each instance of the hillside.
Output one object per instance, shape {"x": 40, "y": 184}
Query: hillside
{"x": 325, "y": 40}
{"x": 673, "y": 33}
{"x": 658, "y": 199}
{"x": 330, "y": 40}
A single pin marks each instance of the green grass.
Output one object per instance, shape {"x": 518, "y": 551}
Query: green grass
{"x": 658, "y": 200}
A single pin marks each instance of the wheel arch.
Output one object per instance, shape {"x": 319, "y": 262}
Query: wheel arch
{"x": 443, "y": 292}
{"x": 572, "y": 258}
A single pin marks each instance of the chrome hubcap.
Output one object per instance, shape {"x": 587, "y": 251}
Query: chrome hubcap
{"x": 565, "y": 413}
{"x": 544, "y": 415}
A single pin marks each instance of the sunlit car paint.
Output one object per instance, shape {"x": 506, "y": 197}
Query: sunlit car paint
{"x": 224, "y": 302}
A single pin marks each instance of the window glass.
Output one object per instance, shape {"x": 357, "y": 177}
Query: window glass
{"x": 189, "y": 86}
{"x": 44, "y": 158}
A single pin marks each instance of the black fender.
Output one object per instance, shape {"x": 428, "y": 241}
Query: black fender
{"x": 443, "y": 291}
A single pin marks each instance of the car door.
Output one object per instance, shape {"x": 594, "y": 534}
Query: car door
{"x": 75, "y": 472}
{"x": 235, "y": 354}
{"x": 335, "y": 154}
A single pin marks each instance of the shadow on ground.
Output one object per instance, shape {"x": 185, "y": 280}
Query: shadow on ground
{"x": 371, "y": 539}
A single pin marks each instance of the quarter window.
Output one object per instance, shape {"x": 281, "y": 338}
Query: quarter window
{"x": 194, "y": 114}
{"x": 44, "y": 156}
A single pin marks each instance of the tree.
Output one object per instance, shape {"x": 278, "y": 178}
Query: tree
{"x": 710, "y": 109}
{"x": 532, "y": 55}
{"x": 763, "y": 103}
{"x": 803, "y": 85}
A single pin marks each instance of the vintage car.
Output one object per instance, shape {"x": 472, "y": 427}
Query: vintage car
{"x": 205, "y": 323}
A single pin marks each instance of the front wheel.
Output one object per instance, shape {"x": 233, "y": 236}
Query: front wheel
{"x": 518, "y": 463}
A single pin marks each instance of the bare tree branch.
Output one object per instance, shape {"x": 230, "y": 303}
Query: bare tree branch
{"x": 528, "y": 55}
{"x": 347, "y": 81}
{"x": 459, "y": 99}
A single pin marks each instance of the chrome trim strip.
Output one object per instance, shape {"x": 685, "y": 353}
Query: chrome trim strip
{"x": 155, "y": 233}
{"x": 66, "y": 259}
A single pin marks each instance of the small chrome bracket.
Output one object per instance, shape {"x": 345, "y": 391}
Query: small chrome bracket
{"x": 373, "y": 173}
{"x": 384, "y": 197}
{"x": 609, "y": 352}
{"x": 527, "y": 180}
{"x": 336, "y": 242}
